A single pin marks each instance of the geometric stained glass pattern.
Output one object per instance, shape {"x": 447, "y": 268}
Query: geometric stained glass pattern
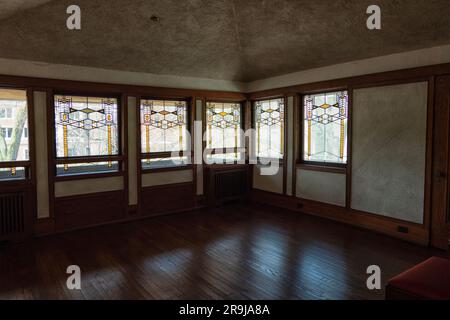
{"x": 163, "y": 126}
{"x": 86, "y": 126}
{"x": 269, "y": 120}
{"x": 223, "y": 122}
{"x": 325, "y": 127}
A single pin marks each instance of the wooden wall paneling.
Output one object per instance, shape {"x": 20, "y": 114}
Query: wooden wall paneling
{"x": 80, "y": 211}
{"x": 168, "y": 198}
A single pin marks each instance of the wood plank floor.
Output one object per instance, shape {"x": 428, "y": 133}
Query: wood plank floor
{"x": 233, "y": 252}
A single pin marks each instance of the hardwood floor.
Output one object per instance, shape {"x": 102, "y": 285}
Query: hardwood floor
{"x": 233, "y": 252}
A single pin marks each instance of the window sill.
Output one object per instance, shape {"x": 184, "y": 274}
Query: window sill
{"x": 166, "y": 169}
{"x": 322, "y": 168}
{"x": 259, "y": 160}
{"x": 82, "y": 176}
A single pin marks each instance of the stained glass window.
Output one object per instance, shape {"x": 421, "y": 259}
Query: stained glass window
{"x": 325, "y": 127}
{"x": 223, "y": 130}
{"x": 269, "y": 126}
{"x": 86, "y": 127}
{"x": 13, "y": 140}
{"x": 163, "y": 131}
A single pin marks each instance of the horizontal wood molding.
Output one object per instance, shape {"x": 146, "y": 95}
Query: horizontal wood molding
{"x": 313, "y": 167}
{"x": 416, "y": 233}
{"x": 86, "y": 87}
{"x": 370, "y": 80}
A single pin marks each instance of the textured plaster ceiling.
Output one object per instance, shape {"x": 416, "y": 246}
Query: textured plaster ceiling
{"x": 219, "y": 39}
{"x": 9, "y": 7}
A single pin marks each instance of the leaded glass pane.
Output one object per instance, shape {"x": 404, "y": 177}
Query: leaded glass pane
{"x": 86, "y": 126}
{"x": 269, "y": 126}
{"x": 163, "y": 126}
{"x": 325, "y": 127}
{"x": 223, "y": 124}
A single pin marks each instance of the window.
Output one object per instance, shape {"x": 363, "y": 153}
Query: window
{"x": 269, "y": 126}
{"x": 14, "y": 162}
{"x": 6, "y": 113}
{"x": 325, "y": 127}
{"x": 6, "y": 132}
{"x": 224, "y": 140}
{"x": 163, "y": 132}
{"x": 86, "y": 135}
{"x": 25, "y": 133}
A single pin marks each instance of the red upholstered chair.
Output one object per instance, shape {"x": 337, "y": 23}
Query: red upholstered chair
{"x": 429, "y": 280}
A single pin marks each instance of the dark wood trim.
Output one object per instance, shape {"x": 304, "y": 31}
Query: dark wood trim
{"x": 88, "y": 159}
{"x": 370, "y": 80}
{"x": 124, "y": 151}
{"x": 296, "y": 143}
{"x": 225, "y": 166}
{"x": 348, "y": 180}
{"x": 43, "y": 227}
{"x": 440, "y": 171}
{"x": 429, "y": 153}
{"x": 118, "y": 89}
{"x": 285, "y": 144}
{"x": 165, "y": 154}
{"x": 168, "y": 169}
{"x": 369, "y": 221}
{"x": 51, "y": 153}
{"x": 32, "y": 140}
{"x": 192, "y": 113}
{"x": 84, "y": 176}
{"x": 225, "y": 151}
{"x": 331, "y": 169}
{"x": 167, "y": 186}
{"x": 138, "y": 155}
{"x": 13, "y": 164}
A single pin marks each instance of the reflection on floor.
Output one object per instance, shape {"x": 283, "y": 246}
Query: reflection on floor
{"x": 232, "y": 252}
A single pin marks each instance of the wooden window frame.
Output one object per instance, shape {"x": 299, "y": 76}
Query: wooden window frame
{"x": 214, "y": 151}
{"x": 332, "y": 167}
{"x": 28, "y": 165}
{"x": 55, "y": 160}
{"x": 164, "y": 154}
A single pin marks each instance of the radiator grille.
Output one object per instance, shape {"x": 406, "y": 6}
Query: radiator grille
{"x": 12, "y": 214}
{"x": 230, "y": 184}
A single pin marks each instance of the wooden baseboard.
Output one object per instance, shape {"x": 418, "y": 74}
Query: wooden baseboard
{"x": 408, "y": 231}
{"x": 43, "y": 227}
